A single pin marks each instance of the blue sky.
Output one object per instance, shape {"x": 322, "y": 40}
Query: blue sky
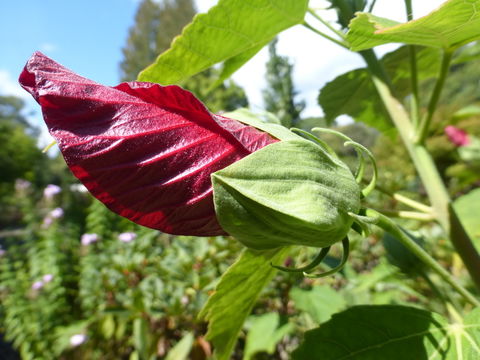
{"x": 86, "y": 36}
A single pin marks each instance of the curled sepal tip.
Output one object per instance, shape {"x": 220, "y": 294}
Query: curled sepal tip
{"x": 346, "y": 252}
{"x": 318, "y": 259}
{"x": 361, "y": 151}
{"x": 315, "y": 139}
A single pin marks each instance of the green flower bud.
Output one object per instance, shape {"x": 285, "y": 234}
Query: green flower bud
{"x": 293, "y": 192}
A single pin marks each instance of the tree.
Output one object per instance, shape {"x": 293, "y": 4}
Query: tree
{"x": 156, "y": 24}
{"x": 227, "y": 96}
{"x": 279, "y": 97}
{"x": 18, "y": 153}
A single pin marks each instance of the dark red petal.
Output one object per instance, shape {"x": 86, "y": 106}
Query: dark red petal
{"x": 144, "y": 150}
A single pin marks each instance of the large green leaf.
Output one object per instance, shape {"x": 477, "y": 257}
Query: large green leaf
{"x": 321, "y": 302}
{"x": 232, "y": 31}
{"x": 468, "y": 210}
{"x": 393, "y": 333}
{"x": 235, "y": 295}
{"x": 264, "y": 333}
{"x": 354, "y": 94}
{"x": 455, "y": 23}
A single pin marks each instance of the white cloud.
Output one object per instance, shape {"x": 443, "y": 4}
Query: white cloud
{"x": 48, "y": 47}
{"x": 10, "y": 86}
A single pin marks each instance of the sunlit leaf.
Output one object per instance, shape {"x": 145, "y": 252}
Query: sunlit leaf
{"x": 455, "y": 23}
{"x": 263, "y": 334}
{"x": 235, "y": 295}
{"x": 321, "y": 302}
{"x": 394, "y": 333}
{"x": 468, "y": 210}
{"x": 354, "y": 94}
{"x": 232, "y": 31}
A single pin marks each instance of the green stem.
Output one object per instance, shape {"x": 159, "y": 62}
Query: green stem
{"x": 436, "y": 191}
{"x": 338, "y": 42}
{"x": 432, "y": 105}
{"x": 415, "y": 101}
{"x": 408, "y": 215}
{"x": 376, "y": 69}
{"x": 408, "y": 6}
{"x": 326, "y": 23}
{"x": 444, "y": 299}
{"x": 406, "y": 200}
{"x": 388, "y": 225}
{"x": 413, "y": 204}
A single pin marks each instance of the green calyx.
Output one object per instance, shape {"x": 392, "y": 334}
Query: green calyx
{"x": 293, "y": 192}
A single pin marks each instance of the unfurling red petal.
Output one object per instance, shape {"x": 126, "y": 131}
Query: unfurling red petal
{"x": 144, "y": 150}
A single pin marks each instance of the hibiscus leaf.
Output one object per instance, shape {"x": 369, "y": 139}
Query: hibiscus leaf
{"x": 232, "y": 29}
{"x": 236, "y": 294}
{"x": 453, "y": 24}
{"x": 392, "y": 332}
{"x": 144, "y": 150}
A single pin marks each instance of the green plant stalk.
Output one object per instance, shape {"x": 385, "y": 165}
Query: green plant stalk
{"x": 326, "y": 23}
{"x": 318, "y": 32}
{"x": 408, "y": 7}
{"x": 388, "y": 225}
{"x": 424, "y": 126}
{"x": 414, "y": 104}
{"x": 436, "y": 191}
{"x": 408, "y": 215}
{"x": 406, "y": 200}
{"x": 412, "y": 203}
{"x": 427, "y": 170}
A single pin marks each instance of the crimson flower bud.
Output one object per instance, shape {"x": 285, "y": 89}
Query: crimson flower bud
{"x": 144, "y": 150}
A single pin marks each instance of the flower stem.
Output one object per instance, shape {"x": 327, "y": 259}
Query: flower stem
{"x": 415, "y": 100}
{"x": 424, "y": 126}
{"x": 326, "y": 23}
{"x": 408, "y": 215}
{"x": 406, "y": 200}
{"x": 388, "y": 225}
{"x": 436, "y": 191}
{"x": 338, "y": 42}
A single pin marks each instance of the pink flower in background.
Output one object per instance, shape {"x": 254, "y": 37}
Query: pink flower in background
{"x": 47, "y": 222}
{"x": 127, "y": 236}
{"x": 56, "y": 213}
{"x": 88, "y": 239}
{"x": 457, "y": 136}
{"x": 2, "y": 252}
{"x": 51, "y": 190}
{"x": 22, "y": 184}
{"x": 78, "y": 339}
{"x": 47, "y": 278}
{"x": 37, "y": 285}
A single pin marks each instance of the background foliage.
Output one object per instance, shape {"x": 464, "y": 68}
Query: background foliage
{"x": 133, "y": 293}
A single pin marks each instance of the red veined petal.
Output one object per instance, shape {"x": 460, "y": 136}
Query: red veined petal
{"x": 144, "y": 150}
